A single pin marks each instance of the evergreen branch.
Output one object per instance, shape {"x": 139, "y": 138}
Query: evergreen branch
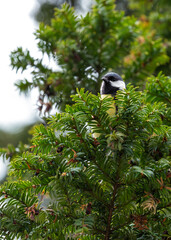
{"x": 81, "y": 137}
{"x": 14, "y": 221}
{"x": 93, "y": 194}
{"x": 102, "y": 170}
{"x": 126, "y": 203}
{"x": 163, "y": 90}
{"x": 115, "y": 190}
{"x": 15, "y": 198}
{"x": 121, "y": 225}
{"x": 108, "y": 228}
{"x": 95, "y": 117}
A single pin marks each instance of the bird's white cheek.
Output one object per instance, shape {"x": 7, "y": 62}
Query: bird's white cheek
{"x": 118, "y": 84}
{"x": 101, "y": 88}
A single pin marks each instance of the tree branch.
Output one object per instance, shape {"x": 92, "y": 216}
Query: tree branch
{"x": 115, "y": 188}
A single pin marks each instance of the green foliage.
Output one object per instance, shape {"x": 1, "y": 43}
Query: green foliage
{"x": 47, "y": 8}
{"x": 113, "y": 187}
{"x": 69, "y": 184}
{"x": 159, "y": 89}
{"x": 85, "y": 48}
{"x": 155, "y": 14}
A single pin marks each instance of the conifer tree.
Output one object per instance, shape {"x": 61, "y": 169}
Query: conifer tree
{"x": 69, "y": 185}
{"x": 84, "y": 48}
{"x": 113, "y": 187}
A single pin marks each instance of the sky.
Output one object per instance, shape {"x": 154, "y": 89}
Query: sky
{"x": 17, "y": 27}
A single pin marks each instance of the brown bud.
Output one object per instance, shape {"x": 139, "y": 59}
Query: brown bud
{"x": 59, "y": 149}
{"x": 88, "y": 209}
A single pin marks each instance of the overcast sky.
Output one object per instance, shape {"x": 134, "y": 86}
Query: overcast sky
{"x": 17, "y": 29}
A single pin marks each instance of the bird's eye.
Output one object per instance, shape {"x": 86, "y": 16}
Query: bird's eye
{"x": 111, "y": 78}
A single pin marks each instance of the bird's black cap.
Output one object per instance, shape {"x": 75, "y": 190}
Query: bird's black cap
{"x": 112, "y": 76}
{"x": 111, "y": 83}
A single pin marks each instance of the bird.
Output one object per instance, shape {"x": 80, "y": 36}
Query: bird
{"x": 111, "y": 83}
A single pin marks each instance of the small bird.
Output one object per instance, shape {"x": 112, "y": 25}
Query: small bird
{"x": 111, "y": 83}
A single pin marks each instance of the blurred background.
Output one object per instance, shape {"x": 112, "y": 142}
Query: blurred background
{"x": 19, "y": 20}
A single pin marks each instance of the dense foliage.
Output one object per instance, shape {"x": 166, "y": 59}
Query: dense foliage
{"x": 113, "y": 187}
{"x": 156, "y": 14}
{"x": 84, "y": 48}
{"x": 67, "y": 184}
